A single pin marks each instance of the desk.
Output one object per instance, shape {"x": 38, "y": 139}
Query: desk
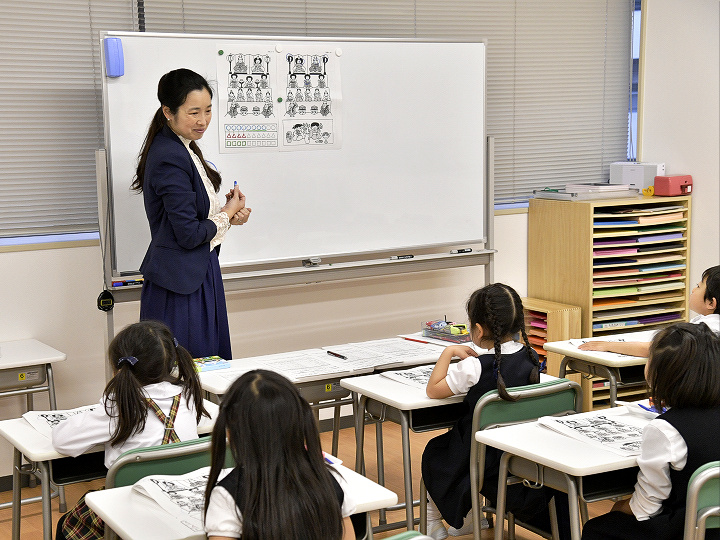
{"x": 542, "y": 455}
{"x": 599, "y": 363}
{"x": 38, "y": 449}
{"x": 316, "y": 389}
{"x": 132, "y": 517}
{"x": 26, "y": 368}
{"x": 403, "y": 404}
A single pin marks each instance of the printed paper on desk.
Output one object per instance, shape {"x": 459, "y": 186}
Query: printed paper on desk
{"x": 417, "y": 376}
{"x": 181, "y": 496}
{"x": 618, "y": 433}
{"x": 44, "y": 421}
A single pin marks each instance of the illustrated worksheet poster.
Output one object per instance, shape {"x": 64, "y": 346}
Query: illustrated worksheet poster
{"x": 311, "y": 106}
{"x": 247, "y": 91}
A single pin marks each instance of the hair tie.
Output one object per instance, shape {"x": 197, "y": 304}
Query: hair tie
{"x": 542, "y": 365}
{"x": 129, "y": 359}
{"x": 175, "y": 341}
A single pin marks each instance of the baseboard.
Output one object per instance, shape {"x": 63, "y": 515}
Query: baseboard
{"x": 326, "y": 424}
{"x": 6, "y": 482}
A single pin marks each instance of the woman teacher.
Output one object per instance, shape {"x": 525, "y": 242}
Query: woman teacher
{"x": 182, "y": 282}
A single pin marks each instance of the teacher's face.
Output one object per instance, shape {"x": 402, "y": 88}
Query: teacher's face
{"x": 192, "y": 117}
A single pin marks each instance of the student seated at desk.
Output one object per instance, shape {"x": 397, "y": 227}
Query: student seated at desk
{"x": 496, "y": 314}
{"x": 704, "y": 299}
{"x": 281, "y": 487}
{"x": 683, "y": 374}
{"x": 144, "y": 404}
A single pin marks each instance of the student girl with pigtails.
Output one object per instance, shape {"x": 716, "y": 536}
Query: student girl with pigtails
{"x": 145, "y": 404}
{"x": 497, "y": 362}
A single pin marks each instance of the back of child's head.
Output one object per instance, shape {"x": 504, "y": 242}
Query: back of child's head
{"x": 141, "y": 354}
{"x": 497, "y": 308}
{"x": 684, "y": 367}
{"x": 286, "y": 491}
{"x": 711, "y": 277}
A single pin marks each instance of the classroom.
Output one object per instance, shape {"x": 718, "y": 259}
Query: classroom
{"x": 50, "y": 290}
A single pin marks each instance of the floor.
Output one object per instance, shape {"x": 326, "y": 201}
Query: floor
{"x": 31, "y": 527}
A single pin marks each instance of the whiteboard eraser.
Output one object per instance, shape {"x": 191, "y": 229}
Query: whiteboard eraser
{"x": 114, "y": 61}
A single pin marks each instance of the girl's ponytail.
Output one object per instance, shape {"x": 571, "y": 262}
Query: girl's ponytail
{"x": 189, "y": 379}
{"x": 126, "y": 402}
{"x": 217, "y": 453}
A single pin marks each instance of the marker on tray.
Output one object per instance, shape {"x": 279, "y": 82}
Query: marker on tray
{"x": 398, "y": 257}
{"x": 463, "y": 250}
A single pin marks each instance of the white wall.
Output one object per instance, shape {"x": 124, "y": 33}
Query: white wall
{"x": 681, "y": 110}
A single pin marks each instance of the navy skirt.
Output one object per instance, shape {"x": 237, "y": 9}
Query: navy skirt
{"x": 199, "y": 320}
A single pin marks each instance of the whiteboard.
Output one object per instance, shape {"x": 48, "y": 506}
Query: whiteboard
{"x": 405, "y": 168}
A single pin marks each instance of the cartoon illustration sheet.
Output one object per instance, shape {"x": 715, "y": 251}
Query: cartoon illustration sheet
{"x": 312, "y": 98}
{"x": 621, "y": 434}
{"x": 44, "y": 421}
{"x": 247, "y": 90}
{"x": 182, "y": 496}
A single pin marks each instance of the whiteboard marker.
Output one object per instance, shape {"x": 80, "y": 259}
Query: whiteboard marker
{"x": 398, "y": 257}
{"x": 464, "y": 250}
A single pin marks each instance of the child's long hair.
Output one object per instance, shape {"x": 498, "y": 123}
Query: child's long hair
{"x": 499, "y": 310}
{"x": 286, "y": 488}
{"x": 684, "y": 367}
{"x": 156, "y": 354}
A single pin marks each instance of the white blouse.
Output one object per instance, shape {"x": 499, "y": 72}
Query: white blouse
{"x": 221, "y": 219}
{"x": 712, "y": 320}
{"x": 81, "y": 432}
{"x": 224, "y": 519}
{"x": 662, "y": 448}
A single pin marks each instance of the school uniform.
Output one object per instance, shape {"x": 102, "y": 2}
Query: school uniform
{"x": 712, "y": 320}
{"x": 446, "y": 459}
{"x": 182, "y": 281}
{"x": 223, "y": 515}
{"x": 674, "y": 445}
{"x": 79, "y": 433}
{"x": 169, "y": 419}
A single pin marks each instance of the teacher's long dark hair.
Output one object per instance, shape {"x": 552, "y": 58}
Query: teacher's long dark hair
{"x": 172, "y": 92}
{"x": 286, "y": 491}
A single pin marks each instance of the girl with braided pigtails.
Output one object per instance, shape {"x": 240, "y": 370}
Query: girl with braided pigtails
{"x": 497, "y": 362}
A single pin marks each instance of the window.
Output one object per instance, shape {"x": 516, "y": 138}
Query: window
{"x": 558, "y": 76}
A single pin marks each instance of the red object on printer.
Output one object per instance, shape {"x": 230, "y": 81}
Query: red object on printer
{"x": 669, "y": 186}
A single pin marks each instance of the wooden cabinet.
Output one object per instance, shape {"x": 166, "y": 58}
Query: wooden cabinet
{"x": 550, "y": 321}
{"x": 622, "y": 261}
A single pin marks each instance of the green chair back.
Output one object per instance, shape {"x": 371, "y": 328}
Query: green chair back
{"x": 551, "y": 398}
{"x": 173, "y": 458}
{"x": 703, "y": 501}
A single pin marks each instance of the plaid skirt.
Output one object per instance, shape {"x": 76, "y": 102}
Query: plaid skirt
{"x": 80, "y": 523}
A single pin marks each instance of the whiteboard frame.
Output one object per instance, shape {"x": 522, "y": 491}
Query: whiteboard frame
{"x": 286, "y": 273}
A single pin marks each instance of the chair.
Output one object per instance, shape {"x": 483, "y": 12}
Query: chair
{"x": 551, "y": 398}
{"x": 173, "y": 458}
{"x": 703, "y": 501}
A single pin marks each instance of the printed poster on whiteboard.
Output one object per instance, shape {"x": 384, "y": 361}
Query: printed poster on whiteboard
{"x": 247, "y": 92}
{"x": 311, "y": 109}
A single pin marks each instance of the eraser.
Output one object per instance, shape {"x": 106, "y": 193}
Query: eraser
{"x": 114, "y": 61}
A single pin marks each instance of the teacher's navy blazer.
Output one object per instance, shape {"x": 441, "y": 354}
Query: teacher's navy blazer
{"x": 177, "y": 206}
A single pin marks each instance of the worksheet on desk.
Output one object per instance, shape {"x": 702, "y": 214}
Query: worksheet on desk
{"x": 646, "y": 335}
{"x": 298, "y": 365}
{"x": 384, "y": 352}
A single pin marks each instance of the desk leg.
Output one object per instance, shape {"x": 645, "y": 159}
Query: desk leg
{"x": 359, "y": 406}
{"x": 501, "y": 495}
{"x": 407, "y": 470}
{"x": 380, "y": 454}
{"x": 572, "y": 492}
{"x": 46, "y": 500}
{"x": 16, "y": 502}
{"x": 336, "y": 429}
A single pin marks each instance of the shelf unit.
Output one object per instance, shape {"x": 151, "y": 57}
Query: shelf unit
{"x": 550, "y": 321}
{"x": 622, "y": 261}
